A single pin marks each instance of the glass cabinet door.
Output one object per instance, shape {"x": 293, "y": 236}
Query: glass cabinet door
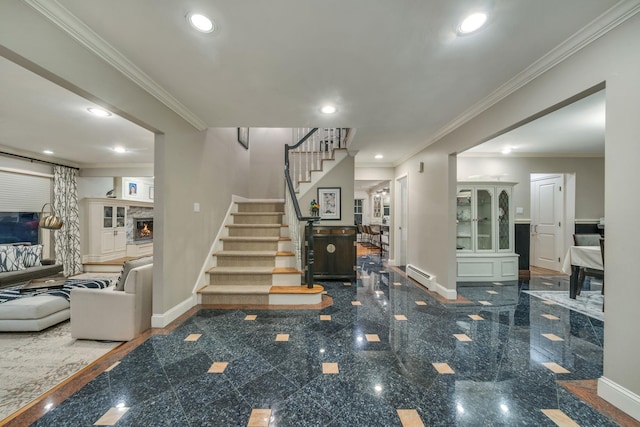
{"x": 484, "y": 219}
{"x": 464, "y": 228}
{"x": 107, "y": 216}
{"x": 120, "y": 216}
{"x": 504, "y": 236}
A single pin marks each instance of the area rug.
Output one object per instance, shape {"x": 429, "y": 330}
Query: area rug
{"x": 588, "y": 302}
{"x": 35, "y": 362}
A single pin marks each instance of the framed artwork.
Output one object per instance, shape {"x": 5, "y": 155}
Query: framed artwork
{"x": 243, "y": 137}
{"x": 329, "y": 201}
{"x": 377, "y": 207}
{"x": 130, "y": 189}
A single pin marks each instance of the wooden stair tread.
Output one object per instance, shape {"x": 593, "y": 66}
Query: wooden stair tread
{"x": 240, "y": 270}
{"x": 285, "y": 254}
{"x": 296, "y": 289}
{"x": 286, "y": 270}
{"x": 236, "y": 289}
{"x": 256, "y": 213}
{"x": 246, "y": 253}
{"x": 254, "y": 225}
{"x": 251, "y": 239}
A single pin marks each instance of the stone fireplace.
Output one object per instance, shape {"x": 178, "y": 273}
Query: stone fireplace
{"x": 143, "y": 229}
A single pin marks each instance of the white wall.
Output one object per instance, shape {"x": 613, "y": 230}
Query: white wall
{"x": 266, "y": 148}
{"x": 589, "y": 172}
{"x": 94, "y": 186}
{"x": 615, "y": 59}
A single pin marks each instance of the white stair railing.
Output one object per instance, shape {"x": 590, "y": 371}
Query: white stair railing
{"x": 308, "y": 156}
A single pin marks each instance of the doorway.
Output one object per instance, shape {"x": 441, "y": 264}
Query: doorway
{"x": 402, "y": 227}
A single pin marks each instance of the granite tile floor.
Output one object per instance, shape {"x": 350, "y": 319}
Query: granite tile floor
{"x": 399, "y": 358}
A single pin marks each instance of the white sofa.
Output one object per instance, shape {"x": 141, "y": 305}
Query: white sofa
{"x": 114, "y": 315}
{"x": 33, "y": 313}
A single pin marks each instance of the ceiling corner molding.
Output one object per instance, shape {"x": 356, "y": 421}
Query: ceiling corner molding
{"x": 77, "y": 29}
{"x": 597, "y": 28}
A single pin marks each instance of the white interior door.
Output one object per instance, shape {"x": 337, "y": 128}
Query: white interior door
{"x": 402, "y": 223}
{"x": 547, "y": 212}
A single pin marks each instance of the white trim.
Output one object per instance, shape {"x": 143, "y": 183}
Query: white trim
{"x": 445, "y": 292}
{"x": 82, "y": 33}
{"x": 619, "y": 397}
{"x": 597, "y": 28}
{"x": 162, "y": 320}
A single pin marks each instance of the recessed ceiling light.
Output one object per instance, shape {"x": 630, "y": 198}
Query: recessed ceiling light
{"x": 379, "y": 156}
{"x": 49, "y": 152}
{"x": 200, "y": 22}
{"x": 120, "y": 149}
{"x": 99, "y": 112}
{"x": 472, "y": 23}
{"x": 506, "y": 150}
{"x": 328, "y": 109}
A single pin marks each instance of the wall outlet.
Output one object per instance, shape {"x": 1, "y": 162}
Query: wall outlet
{"x": 196, "y": 207}
{"x": 519, "y": 211}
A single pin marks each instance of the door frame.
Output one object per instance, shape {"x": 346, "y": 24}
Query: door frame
{"x": 400, "y": 219}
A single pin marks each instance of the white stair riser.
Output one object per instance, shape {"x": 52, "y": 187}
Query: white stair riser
{"x": 286, "y": 261}
{"x": 257, "y": 219}
{"x": 254, "y": 232}
{"x": 239, "y": 279}
{"x": 285, "y": 246}
{"x": 295, "y": 299}
{"x": 246, "y": 261}
{"x": 286, "y": 279}
{"x": 250, "y": 246}
{"x": 260, "y": 207}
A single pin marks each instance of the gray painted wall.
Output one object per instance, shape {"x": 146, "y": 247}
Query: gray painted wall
{"x": 266, "y": 148}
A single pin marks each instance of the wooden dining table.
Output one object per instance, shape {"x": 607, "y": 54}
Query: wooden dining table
{"x": 577, "y": 257}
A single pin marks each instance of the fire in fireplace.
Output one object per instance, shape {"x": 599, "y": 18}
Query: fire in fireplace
{"x": 144, "y": 229}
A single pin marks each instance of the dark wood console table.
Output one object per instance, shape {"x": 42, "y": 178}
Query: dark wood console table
{"x": 334, "y": 252}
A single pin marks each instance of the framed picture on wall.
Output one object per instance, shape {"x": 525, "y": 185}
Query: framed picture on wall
{"x": 329, "y": 201}
{"x": 243, "y": 137}
{"x": 130, "y": 189}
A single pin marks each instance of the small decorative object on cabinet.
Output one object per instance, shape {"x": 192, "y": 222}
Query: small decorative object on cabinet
{"x": 485, "y": 232}
{"x": 334, "y": 250}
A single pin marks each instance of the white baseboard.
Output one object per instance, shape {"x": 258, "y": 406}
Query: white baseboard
{"x": 445, "y": 292}
{"x": 620, "y": 397}
{"x": 162, "y": 320}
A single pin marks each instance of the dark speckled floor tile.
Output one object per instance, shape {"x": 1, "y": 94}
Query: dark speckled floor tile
{"x": 498, "y": 379}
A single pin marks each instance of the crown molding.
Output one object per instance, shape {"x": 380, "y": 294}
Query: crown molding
{"x": 69, "y": 23}
{"x": 597, "y": 28}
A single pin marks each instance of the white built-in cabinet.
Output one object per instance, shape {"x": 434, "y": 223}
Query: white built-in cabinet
{"x": 104, "y": 234}
{"x": 485, "y": 232}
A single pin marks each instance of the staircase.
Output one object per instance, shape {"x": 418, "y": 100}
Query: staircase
{"x": 256, "y": 265}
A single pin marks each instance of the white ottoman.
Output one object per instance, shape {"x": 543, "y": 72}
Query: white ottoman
{"x": 33, "y": 313}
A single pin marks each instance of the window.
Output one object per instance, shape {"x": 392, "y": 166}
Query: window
{"x": 357, "y": 210}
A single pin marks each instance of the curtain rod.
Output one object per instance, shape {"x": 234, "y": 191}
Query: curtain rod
{"x": 31, "y": 159}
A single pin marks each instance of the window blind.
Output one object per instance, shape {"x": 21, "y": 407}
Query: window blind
{"x": 23, "y": 193}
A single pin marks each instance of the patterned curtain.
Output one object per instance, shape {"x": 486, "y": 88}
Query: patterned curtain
{"x": 65, "y": 203}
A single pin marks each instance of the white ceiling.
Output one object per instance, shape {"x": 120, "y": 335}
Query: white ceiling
{"x": 396, "y": 70}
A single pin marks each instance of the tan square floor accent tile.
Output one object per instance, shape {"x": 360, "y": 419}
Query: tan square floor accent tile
{"x": 498, "y": 283}
{"x": 379, "y": 293}
{"x": 372, "y": 337}
{"x": 400, "y": 317}
{"x": 443, "y": 368}
{"x": 485, "y": 302}
{"x": 547, "y": 283}
{"x": 325, "y": 317}
{"x": 251, "y": 317}
{"x": 382, "y": 271}
{"x": 492, "y": 292}
{"x": 397, "y": 284}
{"x": 112, "y": 366}
{"x": 552, "y": 337}
{"x": 111, "y": 416}
{"x": 409, "y": 418}
{"x": 346, "y": 283}
{"x": 462, "y": 337}
{"x": 551, "y": 317}
{"x": 259, "y": 418}
{"x": 356, "y": 303}
{"x": 282, "y": 337}
{"x": 560, "y": 418}
{"x": 557, "y": 369}
{"x": 193, "y": 337}
{"x": 218, "y": 367}
{"x": 330, "y": 368}
{"x": 476, "y": 317}
{"x": 364, "y": 277}
{"x": 549, "y": 302}
{"x": 421, "y": 303}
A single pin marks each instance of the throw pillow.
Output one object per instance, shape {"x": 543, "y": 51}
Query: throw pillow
{"x": 31, "y": 255}
{"x": 127, "y": 267}
{"x": 10, "y": 259}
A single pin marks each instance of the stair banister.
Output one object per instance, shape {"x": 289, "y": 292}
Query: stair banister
{"x": 308, "y": 219}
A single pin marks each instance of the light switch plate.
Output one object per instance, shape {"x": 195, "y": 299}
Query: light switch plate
{"x": 196, "y": 207}
{"x": 519, "y": 211}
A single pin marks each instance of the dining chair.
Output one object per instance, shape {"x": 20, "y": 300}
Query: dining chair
{"x": 589, "y": 239}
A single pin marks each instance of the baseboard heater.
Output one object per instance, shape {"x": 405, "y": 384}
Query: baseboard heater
{"x": 425, "y": 279}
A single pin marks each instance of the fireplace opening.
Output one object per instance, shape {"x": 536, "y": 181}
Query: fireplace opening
{"x": 144, "y": 229}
